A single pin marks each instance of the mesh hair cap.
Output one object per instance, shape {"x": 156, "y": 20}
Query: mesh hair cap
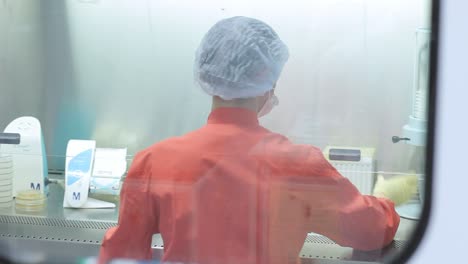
{"x": 239, "y": 57}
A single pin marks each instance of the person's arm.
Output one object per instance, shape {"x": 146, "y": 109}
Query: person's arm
{"x": 324, "y": 201}
{"x": 345, "y": 215}
{"x": 138, "y": 216}
{"x": 359, "y": 221}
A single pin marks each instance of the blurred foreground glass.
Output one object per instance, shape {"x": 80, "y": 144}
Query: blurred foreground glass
{"x": 356, "y": 87}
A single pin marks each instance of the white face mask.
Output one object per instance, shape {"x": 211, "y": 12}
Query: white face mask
{"x": 271, "y": 102}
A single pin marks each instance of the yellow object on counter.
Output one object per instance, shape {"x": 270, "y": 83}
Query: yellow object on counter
{"x": 30, "y": 200}
{"x": 30, "y": 195}
{"x": 399, "y": 189}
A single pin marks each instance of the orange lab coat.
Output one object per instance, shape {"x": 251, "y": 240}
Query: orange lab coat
{"x": 234, "y": 192}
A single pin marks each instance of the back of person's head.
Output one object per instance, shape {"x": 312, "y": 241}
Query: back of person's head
{"x": 239, "y": 57}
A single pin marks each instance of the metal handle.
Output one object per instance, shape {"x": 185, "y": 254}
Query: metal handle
{"x": 396, "y": 139}
{"x": 10, "y": 138}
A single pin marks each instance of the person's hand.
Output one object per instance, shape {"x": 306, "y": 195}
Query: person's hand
{"x": 399, "y": 189}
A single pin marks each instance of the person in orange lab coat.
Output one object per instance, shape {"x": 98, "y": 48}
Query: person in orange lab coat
{"x": 233, "y": 191}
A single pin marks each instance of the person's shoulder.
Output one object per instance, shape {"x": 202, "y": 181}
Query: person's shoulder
{"x": 141, "y": 159}
{"x": 286, "y": 156}
{"x": 160, "y": 146}
{"x": 175, "y": 144}
{"x": 280, "y": 143}
{"x": 144, "y": 158}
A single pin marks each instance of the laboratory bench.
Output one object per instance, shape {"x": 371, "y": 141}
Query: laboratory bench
{"x": 57, "y": 234}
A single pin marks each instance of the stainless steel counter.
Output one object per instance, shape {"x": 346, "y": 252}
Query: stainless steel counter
{"x": 58, "y": 235}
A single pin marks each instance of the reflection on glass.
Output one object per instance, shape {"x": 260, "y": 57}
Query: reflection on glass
{"x": 206, "y": 180}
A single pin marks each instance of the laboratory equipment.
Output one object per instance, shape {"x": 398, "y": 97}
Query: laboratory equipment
{"x": 6, "y": 180}
{"x": 355, "y": 163}
{"x": 78, "y": 170}
{"x": 10, "y": 138}
{"x": 30, "y": 201}
{"x": 28, "y": 154}
{"x": 415, "y": 129}
{"x": 109, "y": 167}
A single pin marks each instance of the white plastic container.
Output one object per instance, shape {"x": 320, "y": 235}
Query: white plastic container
{"x": 5, "y": 162}
{"x": 6, "y": 165}
{"x": 6, "y": 182}
{"x": 6, "y": 199}
{"x": 8, "y": 170}
{"x": 6, "y": 204}
{"x": 5, "y": 188}
{"x": 7, "y": 193}
{"x": 5, "y": 158}
{"x": 6, "y": 176}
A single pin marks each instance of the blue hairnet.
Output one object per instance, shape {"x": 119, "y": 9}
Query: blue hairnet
{"x": 239, "y": 57}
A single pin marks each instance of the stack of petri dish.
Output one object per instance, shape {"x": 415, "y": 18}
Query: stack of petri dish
{"x": 30, "y": 201}
{"x": 6, "y": 181}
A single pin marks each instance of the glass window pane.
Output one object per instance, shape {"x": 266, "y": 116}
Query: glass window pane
{"x": 213, "y": 131}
